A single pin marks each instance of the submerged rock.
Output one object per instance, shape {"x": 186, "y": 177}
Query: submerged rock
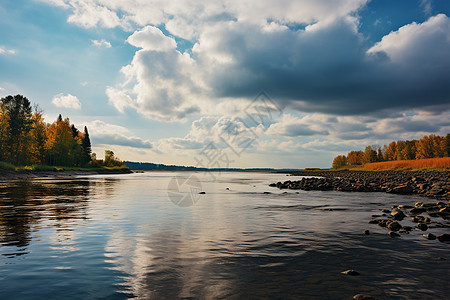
{"x": 444, "y": 237}
{"x": 429, "y": 236}
{"x": 422, "y": 226}
{"x": 393, "y": 234}
{"x": 393, "y": 226}
{"x": 350, "y": 272}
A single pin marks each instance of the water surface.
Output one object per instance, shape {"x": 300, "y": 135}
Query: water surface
{"x": 122, "y": 236}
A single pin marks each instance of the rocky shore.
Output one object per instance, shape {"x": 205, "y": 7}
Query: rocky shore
{"x": 424, "y": 216}
{"x": 19, "y": 175}
{"x": 431, "y": 184}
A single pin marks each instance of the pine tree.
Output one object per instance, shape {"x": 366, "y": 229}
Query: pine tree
{"x": 75, "y": 131}
{"x": 18, "y": 109}
{"x": 4, "y": 134}
{"x": 86, "y": 144}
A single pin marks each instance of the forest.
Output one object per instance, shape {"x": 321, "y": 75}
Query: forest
{"x": 429, "y": 146}
{"x": 26, "y": 139}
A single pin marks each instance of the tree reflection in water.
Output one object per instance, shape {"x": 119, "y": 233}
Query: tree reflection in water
{"x": 25, "y": 204}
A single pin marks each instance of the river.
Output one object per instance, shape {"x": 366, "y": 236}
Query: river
{"x": 154, "y": 236}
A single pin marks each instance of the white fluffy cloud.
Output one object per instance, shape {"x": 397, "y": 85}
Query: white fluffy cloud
{"x": 161, "y": 85}
{"x": 415, "y": 44}
{"x": 187, "y": 19}
{"x": 152, "y": 38}
{"x": 307, "y": 54}
{"x": 101, "y": 43}
{"x": 66, "y": 101}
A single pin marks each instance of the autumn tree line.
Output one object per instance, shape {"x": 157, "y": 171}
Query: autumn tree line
{"x": 430, "y": 146}
{"x": 26, "y": 139}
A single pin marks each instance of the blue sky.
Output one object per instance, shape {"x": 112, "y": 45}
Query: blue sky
{"x": 161, "y": 81}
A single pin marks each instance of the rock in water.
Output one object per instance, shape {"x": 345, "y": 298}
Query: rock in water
{"x": 366, "y": 232}
{"x": 407, "y": 228}
{"x": 394, "y": 226}
{"x": 444, "y": 237}
{"x": 429, "y": 236}
{"x": 422, "y": 226}
{"x": 398, "y": 214}
{"x": 393, "y": 234}
{"x": 350, "y": 272}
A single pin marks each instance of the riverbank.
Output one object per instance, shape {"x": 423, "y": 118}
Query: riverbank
{"x": 6, "y": 175}
{"x": 431, "y": 184}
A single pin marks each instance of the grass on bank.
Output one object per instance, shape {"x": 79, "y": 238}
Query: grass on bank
{"x": 428, "y": 163}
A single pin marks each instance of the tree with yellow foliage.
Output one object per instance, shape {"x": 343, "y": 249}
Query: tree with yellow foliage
{"x": 38, "y": 137}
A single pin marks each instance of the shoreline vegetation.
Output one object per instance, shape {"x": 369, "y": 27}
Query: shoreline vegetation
{"x": 428, "y": 147}
{"x": 29, "y": 146}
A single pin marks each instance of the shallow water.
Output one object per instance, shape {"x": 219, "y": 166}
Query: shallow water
{"x": 123, "y": 236}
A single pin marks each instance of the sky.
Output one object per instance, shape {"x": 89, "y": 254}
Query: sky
{"x": 228, "y": 83}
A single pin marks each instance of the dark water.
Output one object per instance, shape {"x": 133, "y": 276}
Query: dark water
{"x": 116, "y": 237}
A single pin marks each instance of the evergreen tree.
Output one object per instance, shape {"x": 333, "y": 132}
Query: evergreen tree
{"x": 4, "y": 134}
{"x": 86, "y": 144}
{"x": 18, "y": 109}
{"x": 75, "y": 131}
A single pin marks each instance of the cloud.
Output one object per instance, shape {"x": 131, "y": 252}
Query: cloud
{"x": 152, "y": 38}
{"x": 293, "y": 127}
{"x": 221, "y": 132}
{"x": 66, "y": 101}
{"x": 427, "y": 6}
{"x": 308, "y": 55}
{"x": 109, "y": 134}
{"x": 101, "y": 43}
{"x": 160, "y": 85}
{"x": 188, "y": 19}
{"x": 6, "y": 51}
